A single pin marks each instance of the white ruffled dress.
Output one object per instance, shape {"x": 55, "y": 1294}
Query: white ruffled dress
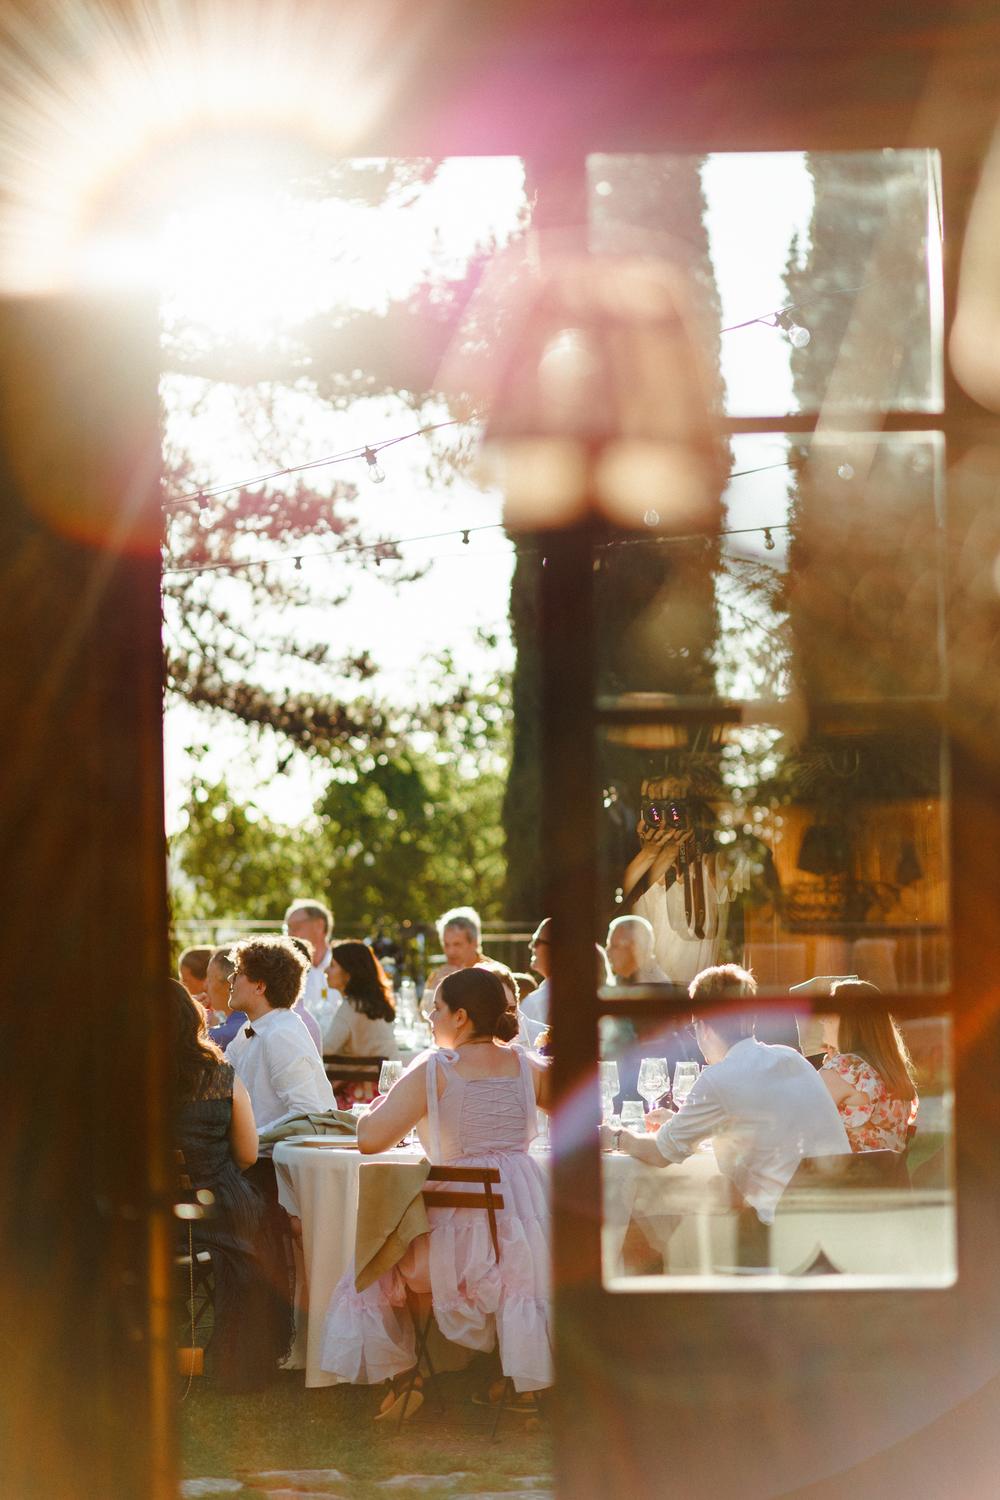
{"x": 482, "y": 1122}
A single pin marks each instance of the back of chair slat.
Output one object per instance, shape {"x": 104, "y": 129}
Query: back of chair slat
{"x": 487, "y": 1200}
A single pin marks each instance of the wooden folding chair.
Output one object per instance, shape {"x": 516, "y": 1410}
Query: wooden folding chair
{"x": 487, "y": 1201}
{"x": 342, "y": 1069}
{"x": 194, "y": 1269}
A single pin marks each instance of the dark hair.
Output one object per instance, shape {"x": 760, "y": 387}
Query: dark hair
{"x": 194, "y": 1057}
{"x": 195, "y": 960}
{"x": 527, "y": 984}
{"x": 274, "y": 962}
{"x": 872, "y": 1034}
{"x": 482, "y": 994}
{"x": 368, "y": 988}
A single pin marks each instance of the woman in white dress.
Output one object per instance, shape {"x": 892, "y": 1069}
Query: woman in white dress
{"x": 472, "y": 1100}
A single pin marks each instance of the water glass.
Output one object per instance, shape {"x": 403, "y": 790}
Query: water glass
{"x": 608, "y": 1074}
{"x": 389, "y": 1074}
{"x": 633, "y": 1116}
{"x": 685, "y": 1077}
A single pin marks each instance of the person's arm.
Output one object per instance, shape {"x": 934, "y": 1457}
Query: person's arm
{"x": 842, "y": 1092}
{"x": 542, "y": 1079}
{"x": 338, "y": 1033}
{"x": 698, "y": 1118}
{"x": 400, "y": 1110}
{"x": 298, "y": 1080}
{"x": 660, "y": 848}
{"x": 242, "y": 1130}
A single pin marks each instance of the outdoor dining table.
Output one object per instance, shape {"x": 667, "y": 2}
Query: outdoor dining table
{"x": 318, "y": 1183}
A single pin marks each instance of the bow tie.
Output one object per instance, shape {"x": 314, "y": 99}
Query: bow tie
{"x": 249, "y": 1031}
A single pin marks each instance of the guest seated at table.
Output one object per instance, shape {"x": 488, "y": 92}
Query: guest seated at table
{"x": 763, "y": 1107}
{"x": 363, "y": 1024}
{"x": 868, "y": 1072}
{"x": 214, "y": 1128}
{"x": 191, "y": 967}
{"x": 472, "y": 1100}
{"x": 223, "y": 1022}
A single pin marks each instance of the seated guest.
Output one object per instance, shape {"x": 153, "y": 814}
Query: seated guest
{"x": 312, "y": 922}
{"x": 868, "y": 1072}
{"x": 536, "y": 1005}
{"x": 630, "y": 946}
{"x": 214, "y": 1128}
{"x": 527, "y": 984}
{"x": 763, "y": 1107}
{"x": 300, "y": 1008}
{"x": 274, "y": 1054}
{"x": 363, "y": 1025}
{"x": 217, "y": 977}
{"x": 461, "y": 933}
{"x": 473, "y": 1102}
{"x": 191, "y": 967}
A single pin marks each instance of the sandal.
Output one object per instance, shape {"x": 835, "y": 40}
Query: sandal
{"x": 398, "y": 1394}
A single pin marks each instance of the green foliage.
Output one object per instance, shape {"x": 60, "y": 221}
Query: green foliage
{"x": 399, "y": 834}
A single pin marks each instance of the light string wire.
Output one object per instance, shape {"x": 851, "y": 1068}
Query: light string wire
{"x": 210, "y": 491}
{"x": 383, "y": 548}
{"x": 771, "y": 319}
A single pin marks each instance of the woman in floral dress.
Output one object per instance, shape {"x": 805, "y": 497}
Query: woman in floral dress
{"x": 869, "y": 1073}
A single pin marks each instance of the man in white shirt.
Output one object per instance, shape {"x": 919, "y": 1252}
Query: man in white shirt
{"x": 461, "y": 933}
{"x": 313, "y": 923}
{"x": 536, "y": 1005}
{"x": 763, "y": 1107}
{"x": 274, "y": 1054}
{"x": 630, "y": 947}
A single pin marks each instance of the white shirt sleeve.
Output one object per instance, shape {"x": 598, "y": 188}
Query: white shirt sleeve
{"x": 698, "y": 1118}
{"x": 298, "y": 1081}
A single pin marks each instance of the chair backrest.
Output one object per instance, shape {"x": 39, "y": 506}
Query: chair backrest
{"x": 487, "y": 1201}
{"x": 852, "y": 1170}
{"x": 341, "y": 1068}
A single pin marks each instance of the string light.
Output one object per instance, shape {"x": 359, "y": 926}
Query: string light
{"x": 797, "y": 335}
{"x": 465, "y": 538}
{"x": 768, "y": 539}
{"x": 376, "y": 473}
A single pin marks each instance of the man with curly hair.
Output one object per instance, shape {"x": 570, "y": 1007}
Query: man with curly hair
{"x": 274, "y": 1054}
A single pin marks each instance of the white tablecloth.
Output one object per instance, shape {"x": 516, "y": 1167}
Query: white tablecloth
{"x": 321, "y": 1188}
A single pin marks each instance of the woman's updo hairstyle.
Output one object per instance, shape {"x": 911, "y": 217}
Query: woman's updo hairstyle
{"x": 482, "y": 995}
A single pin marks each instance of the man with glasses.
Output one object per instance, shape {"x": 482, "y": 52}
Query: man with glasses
{"x": 762, "y": 1107}
{"x": 536, "y": 1005}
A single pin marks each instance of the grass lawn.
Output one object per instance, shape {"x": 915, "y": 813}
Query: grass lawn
{"x": 289, "y": 1427}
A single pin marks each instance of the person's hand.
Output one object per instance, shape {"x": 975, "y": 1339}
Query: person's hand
{"x": 654, "y": 1118}
{"x": 607, "y": 1138}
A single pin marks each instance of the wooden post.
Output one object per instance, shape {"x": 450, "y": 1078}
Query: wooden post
{"x": 85, "y": 1264}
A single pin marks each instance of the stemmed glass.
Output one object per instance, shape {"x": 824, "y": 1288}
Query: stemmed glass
{"x": 389, "y": 1073}
{"x": 608, "y": 1075}
{"x": 685, "y": 1077}
{"x": 654, "y": 1079}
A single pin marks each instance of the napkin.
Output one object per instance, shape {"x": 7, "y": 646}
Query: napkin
{"x": 391, "y": 1213}
{"x": 330, "y": 1122}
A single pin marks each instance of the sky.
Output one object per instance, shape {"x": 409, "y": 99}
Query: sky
{"x": 326, "y": 255}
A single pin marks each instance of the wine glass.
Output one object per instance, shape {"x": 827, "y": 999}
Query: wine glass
{"x": 685, "y": 1077}
{"x": 389, "y": 1073}
{"x": 607, "y": 1073}
{"x": 654, "y": 1079}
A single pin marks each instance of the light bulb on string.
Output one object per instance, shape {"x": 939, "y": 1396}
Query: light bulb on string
{"x": 204, "y": 514}
{"x": 797, "y": 336}
{"x": 376, "y": 473}
{"x": 651, "y": 517}
{"x": 465, "y": 538}
{"x": 298, "y": 565}
{"x": 768, "y": 539}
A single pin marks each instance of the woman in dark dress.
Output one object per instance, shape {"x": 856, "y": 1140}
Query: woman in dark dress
{"x": 214, "y": 1128}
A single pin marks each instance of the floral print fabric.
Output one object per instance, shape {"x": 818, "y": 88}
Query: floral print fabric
{"x": 880, "y": 1123}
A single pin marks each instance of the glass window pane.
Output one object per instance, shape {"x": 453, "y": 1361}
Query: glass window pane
{"x": 795, "y": 850}
{"x": 817, "y": 277}
{"x": 764, "y": 1169}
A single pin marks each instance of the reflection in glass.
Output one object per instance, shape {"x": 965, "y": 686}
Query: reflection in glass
{"x": 810, "y": 850}
{"x": 785, "y": 1168}
{"x": 821, "y": 273}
